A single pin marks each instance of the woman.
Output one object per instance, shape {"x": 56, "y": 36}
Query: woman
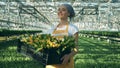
{"x": 64, "y": 28}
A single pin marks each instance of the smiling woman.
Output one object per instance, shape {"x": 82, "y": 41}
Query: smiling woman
{"x": 65, "y": 28}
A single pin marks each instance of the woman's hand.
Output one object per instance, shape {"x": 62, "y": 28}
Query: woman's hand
{"x": 65, "y": 58}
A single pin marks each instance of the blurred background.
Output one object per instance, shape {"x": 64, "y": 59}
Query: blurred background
{"x": 98, "y": 22}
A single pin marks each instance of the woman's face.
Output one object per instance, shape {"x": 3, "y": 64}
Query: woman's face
{"x": 63, "y": 12}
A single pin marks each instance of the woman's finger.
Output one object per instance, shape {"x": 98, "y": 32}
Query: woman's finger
{"x": 62, "y": 58}
{"x": 65, "y": 59}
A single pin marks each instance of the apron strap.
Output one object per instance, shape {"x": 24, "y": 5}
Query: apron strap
{"x": 64, "y": 32}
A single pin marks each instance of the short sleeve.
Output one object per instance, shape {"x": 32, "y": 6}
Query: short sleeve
{"x": 72, "y": 29}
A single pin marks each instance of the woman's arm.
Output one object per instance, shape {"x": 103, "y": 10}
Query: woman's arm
{"x": 75, "y": 50}
{"x": 67, "y": 57}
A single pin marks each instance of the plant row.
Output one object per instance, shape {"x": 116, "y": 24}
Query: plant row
{"x": 5, "y": 32}
{"x": 102, "y": 33}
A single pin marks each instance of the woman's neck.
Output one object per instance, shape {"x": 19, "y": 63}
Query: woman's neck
{"x": 63, "y": 21}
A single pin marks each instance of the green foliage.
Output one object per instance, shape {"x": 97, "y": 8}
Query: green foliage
{"x": 92, "y": 54}
{"x": 46, "y": 42}
{"x": 4, "y": 32}
{"x": 103, "y": 33}
{"x": 97, "y": 54}
{"x": 9, "y": 58}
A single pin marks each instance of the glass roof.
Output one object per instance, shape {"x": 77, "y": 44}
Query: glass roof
{"x": 42, "y": 14}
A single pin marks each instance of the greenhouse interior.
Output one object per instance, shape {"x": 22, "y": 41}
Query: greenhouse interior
{"x": 98, "y": 23}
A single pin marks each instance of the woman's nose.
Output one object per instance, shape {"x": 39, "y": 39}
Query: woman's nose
{"x": 59, "y": 11}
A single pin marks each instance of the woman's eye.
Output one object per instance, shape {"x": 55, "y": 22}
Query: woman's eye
{"x": 63, "y": 10}
{"x": 58, "y": 9}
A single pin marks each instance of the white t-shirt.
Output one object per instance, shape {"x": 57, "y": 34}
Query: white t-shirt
{"x": 72, "y": 29}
